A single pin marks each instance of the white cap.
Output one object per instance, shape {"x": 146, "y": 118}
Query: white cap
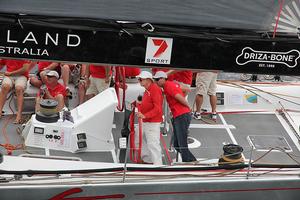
{"x": 53, "y": 73}
{"x": 160, "y": 74}
{"x": 144, "y": 75}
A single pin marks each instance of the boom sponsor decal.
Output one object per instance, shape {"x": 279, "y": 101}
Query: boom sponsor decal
{"x": 34, "y": 44}
{"x": 249, "y": 55}
{"x": 158, "y": 50}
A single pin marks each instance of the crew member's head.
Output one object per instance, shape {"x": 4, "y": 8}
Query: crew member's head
{"x": 52, "y": 77}
{"x": 160, "y": 78}
{"x": 145, "y": 79}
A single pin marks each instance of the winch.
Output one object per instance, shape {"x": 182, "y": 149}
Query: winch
{"x": 48, "y": 112}
{"x": 232, "y": 155}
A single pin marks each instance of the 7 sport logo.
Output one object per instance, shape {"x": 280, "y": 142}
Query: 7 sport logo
{"x": 158, "y": 50}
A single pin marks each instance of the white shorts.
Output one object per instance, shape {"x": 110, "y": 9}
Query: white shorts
{"x": 97, "y": 85}
{"x": 20, "y": 81}
{"x": 206, "y": 83}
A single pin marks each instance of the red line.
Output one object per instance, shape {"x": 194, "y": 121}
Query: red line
{"x": 63, "y": 195}
{"x": 215, "y": 191}
{"x": 278, "y": 16}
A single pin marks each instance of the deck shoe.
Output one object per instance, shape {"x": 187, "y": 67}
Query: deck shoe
{"x": 197, "y": 115}
{"x": 214, "y": 116}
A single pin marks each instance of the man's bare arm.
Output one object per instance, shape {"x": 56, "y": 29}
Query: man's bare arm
{"x": 20, "y": 71}
{"x": 52, "y": 66}
{"x": 185, "y": 89}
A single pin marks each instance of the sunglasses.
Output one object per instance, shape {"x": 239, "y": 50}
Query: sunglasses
{"x": 141, "y": 79}
{"x": 156, "y": 79}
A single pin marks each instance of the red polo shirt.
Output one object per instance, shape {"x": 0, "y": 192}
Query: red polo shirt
{"x": 13, "y": 65}
{"x": 132, "y": 71}
{"x": 185, "y": 76}
{"x": 98, "y": 71}
{"x": 171, "y": 89}
{"x": 43, "y": 65}
{"x": 151, "y": 106}
{"x": 58, "y": 89}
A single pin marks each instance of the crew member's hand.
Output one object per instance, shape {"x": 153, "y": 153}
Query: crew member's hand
{"x": 82, "y": 81}
{"x": 7, "y": 73}
{"x": 47, "y": 93}
{"x": 140, "y": 115}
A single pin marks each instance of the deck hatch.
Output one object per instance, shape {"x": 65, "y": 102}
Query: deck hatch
{"x": 266, "y": 142}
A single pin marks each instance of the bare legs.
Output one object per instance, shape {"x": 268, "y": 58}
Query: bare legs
{"x": 35, "y": 82}
{"x": 81, "y": 92}
{"x": 199, "y": 102}
{"x": 212, "y": 100}
{"x": 20, "y": 99}
{"x": 213, "y": 103}
{"x": 65, "y": 71}
{"x": 3, "y": 94}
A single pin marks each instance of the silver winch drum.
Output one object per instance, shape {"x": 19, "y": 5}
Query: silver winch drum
{"x": 48, "y": 106}
{"x": 48, "y": 112}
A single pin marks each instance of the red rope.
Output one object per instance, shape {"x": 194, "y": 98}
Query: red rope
{"x": 132, "y": 133}
{"x": 9, "y": 147}
{"x": 278, "y": 16}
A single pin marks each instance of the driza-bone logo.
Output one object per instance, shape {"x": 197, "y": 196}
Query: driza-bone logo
{"x": 158, "y": 50}
{"x": 249, "y": 55}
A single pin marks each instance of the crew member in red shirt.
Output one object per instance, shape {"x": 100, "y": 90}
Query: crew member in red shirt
{"x": 183, "y": 77}
{"x": 98, "y": 79}
{"x": 53, "y": 90}
{"x": 16, "y": 76}
{"x": 181, "y": 114}
{"x": 43, "y": 68}
{"x": 151, "y": 113}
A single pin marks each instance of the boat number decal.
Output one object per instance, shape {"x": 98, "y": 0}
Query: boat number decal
{"x": 158, "y": 50}
{"x": 249, "y": 55}
{"x": 63, "y": 195}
